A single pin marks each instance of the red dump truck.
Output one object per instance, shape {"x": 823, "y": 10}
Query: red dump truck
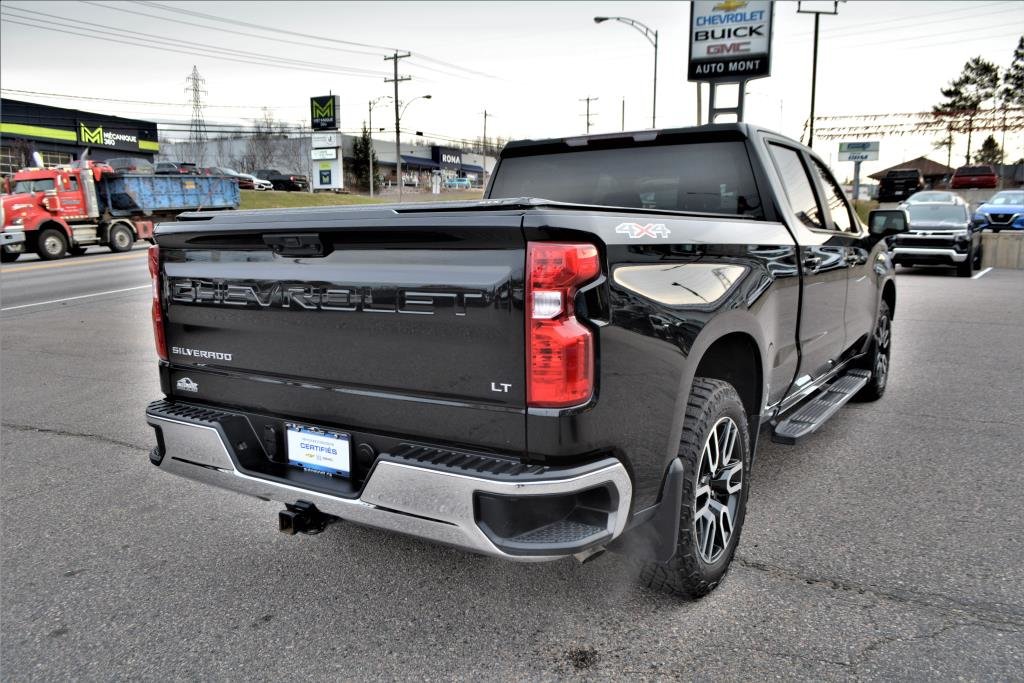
{"x": 61, "y": 210}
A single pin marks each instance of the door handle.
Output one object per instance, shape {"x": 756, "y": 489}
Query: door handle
{"x": 812, "y": 263}
{"x": 852, "y": 258}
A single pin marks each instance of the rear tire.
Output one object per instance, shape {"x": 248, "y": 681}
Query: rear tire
{"x": 51, "y": 244}
{"x": 121, "y": 239}
{"x": 879, "y": 357}
{"x": 715, "y": 453}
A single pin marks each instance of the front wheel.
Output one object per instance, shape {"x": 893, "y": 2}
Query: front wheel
{"x": 965, "y": 267}
{"x": 715, "y": 453}
{"x": 878, "y": 358}
{"x": 51, "y": 244}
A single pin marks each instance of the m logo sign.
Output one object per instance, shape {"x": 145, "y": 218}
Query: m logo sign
{"x": 323, "y": 112}
{"x": 90, "y": 136}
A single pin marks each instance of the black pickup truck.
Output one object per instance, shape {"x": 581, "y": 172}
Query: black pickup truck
{"x": 583, "y": 360}
{"x": 285, "y": 182}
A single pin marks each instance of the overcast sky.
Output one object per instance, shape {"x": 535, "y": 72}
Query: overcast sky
{"x": 528, "y": 64}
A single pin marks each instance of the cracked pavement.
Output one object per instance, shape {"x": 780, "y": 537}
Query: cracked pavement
{"x": 887, "y": 546}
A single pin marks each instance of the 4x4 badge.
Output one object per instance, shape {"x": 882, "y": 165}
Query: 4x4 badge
{"x": 638, "y": 230}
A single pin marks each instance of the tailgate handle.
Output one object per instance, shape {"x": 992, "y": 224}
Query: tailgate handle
{"x": 296, "y": 244}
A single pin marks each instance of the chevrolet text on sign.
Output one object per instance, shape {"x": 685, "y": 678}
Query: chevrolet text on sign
{"x": 730, "y": 40}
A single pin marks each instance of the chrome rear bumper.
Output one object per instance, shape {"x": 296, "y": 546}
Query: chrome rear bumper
{"x": 426, "y": 502}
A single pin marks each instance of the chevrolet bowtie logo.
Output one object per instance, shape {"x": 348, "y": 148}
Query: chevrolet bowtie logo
{"x": 730, "y": 5}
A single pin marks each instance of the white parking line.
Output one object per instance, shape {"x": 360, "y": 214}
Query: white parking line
{"x": 975, "y": 277}
{"x": 72, "y": 298}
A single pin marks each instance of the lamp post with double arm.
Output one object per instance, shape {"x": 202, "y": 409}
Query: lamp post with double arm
{"x": 652, "y": 36}
{"x": 399, "y": 113}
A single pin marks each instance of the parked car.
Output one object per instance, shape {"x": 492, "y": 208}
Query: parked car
{"x": 983, "y": 175}
{"x": 940, "y": 234}
{"x": 130, "y": 165}
{"x": 176, "y": 168}
{"x": 899, "y": 184}
{"x": 247, "y": 181}
{"x": 458, "y": 184}
{"x": 1004, "y": 211}
{"x": 283, "y": 181}
{"x": 931, "y": 196}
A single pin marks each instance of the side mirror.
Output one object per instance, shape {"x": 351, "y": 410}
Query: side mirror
{"x": 885, "y": 222}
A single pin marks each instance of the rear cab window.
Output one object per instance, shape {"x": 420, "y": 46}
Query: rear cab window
{"x": 703, "y": 177}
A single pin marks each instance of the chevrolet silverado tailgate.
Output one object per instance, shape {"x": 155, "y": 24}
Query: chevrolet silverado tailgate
{"x": 404, "y": 322}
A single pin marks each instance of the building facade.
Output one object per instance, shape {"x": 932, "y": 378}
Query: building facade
{"x": 60, "y": 136}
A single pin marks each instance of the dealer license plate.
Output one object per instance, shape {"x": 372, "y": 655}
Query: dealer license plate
{"x": 319, "y": 450}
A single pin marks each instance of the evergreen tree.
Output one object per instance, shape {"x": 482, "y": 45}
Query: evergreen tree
{"x": 362, "y": 153}
{"x": 990, "y": 152}
{"x": 1012, "y": 93}
{"x": 964, "y": 96}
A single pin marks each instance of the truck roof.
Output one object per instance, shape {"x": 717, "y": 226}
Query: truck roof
{"x": 718, "y": 131}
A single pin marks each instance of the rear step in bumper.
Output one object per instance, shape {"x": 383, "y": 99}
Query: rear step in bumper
{"x": 426, "y": 502}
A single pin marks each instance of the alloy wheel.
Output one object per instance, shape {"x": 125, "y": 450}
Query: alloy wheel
{"x": 717, "y": 494}
{"x": 883, "y": 337}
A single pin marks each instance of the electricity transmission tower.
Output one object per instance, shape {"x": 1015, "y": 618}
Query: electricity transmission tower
{"x": 195, "y": 85}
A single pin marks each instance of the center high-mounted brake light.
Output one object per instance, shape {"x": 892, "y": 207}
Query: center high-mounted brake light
{"x": 157, "y": 310}
{"x": 559, "y": 348}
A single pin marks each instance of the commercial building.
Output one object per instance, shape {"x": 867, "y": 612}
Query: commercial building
{"x": 61, "y": 135}
{"x": 293, "y": 155}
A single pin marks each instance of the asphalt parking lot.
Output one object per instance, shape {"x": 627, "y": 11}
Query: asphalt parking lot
{"x": 890, "y": 545}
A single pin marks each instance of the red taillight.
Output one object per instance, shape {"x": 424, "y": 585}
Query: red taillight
{"x": 560, "y": 349}
{"x": 157, "y": 310}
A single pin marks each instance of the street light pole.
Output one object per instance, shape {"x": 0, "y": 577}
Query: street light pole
{"x": 652, "y": 37}
{"x": 814, "y": 62}
{"x": 373, "y": 103}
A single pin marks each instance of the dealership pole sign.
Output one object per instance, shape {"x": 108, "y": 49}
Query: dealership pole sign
{"x": 323, "y": 112}
{"x": 730, "y": 40}
{"x": 858, "y": 151}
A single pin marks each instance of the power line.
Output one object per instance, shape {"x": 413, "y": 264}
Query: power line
{"x": 120, "y": 34}
{"x": 227, "y": 30}
{"x": 126, "y": 40}
{"x": 275, "y": 29}
{"x": 166, "y": 104}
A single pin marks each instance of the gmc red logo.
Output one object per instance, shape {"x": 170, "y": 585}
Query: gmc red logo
{"x": 638, "y": 230}
{"x": 729, "y": 48}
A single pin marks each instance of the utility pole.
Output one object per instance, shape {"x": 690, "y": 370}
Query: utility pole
{"x": 588, "y": 100}
{"x": 483, "y": 162}
{"x": 623, "y": 113}
{"x": 814, "y": 63}
{"x": 369, "y": 116}
{"x": 398, "y": 118}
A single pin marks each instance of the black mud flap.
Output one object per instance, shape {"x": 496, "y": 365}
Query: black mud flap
{"x": 654, "y": 540}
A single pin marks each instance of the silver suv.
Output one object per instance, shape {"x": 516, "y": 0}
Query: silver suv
{"x": 940, "y": 234}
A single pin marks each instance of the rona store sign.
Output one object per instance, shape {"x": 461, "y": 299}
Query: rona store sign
{"x": 323, "y": 112}
{"x": 730, "y": 40}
